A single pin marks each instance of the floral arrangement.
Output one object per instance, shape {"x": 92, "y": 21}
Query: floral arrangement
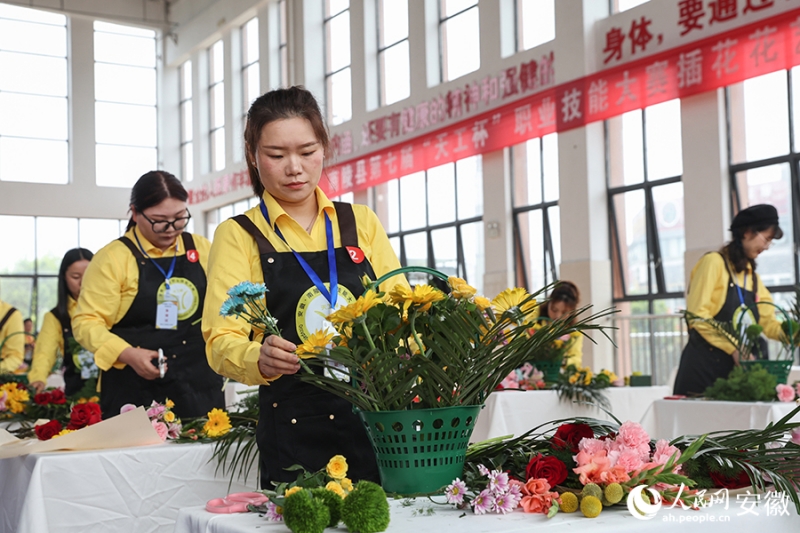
{"x": 589, "y": 464}
{"x": 419, "y": 348}
{"x": 527, "y": 377}
{"x": 753, "y": 385}
{"x": 554, "y": 350}
{"x": 164, "y": 420}
{"x": 13, "y": 399}
{"x": 582, "y": 385}
{"x": 47, "y": 414}
{"x": 325, "y": 498}
{"x": 79, "y": 416}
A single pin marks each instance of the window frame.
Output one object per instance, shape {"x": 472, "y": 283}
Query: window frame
{"x": 442, "y": 22}
{"x": 211, "y": 86}
{"x": 187, "y": 176}
{"x": 329, "y": 74}
{"x": 382, "y": 50}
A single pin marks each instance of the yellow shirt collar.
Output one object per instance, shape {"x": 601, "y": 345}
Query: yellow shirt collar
{"x": 149, "y": 248}
{"x": 71, "y": 305}
{"x": 276, "y": 211}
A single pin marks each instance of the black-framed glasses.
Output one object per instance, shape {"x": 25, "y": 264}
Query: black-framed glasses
{"x": 162, "y": 226}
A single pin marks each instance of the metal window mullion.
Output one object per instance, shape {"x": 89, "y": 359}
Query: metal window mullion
{"x": 795, "y": 192}
{"x": 461, "y": 263}
{"x": 381, "y": 50}
{"x": 638, "y": 186}
{"x": 548, "y": 245}
{"x": 519, "y": 249}
{"x": 661, "y": 283}
{"x": 334, "y": 72}
{"x": 615, "y": 243}
{"x": 454, "y": 15}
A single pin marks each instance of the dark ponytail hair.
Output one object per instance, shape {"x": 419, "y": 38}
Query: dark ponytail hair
{"x": 152, "y": 189}
{"x": 564, "y": 291}
{"x": 72, "y": 256}
{"x": 280, "y": 104}
{"x": 734, "y": 250}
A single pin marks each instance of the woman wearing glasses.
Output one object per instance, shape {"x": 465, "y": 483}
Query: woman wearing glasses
{"x": 145, "y": 292}
{"x": 724, "y": 286}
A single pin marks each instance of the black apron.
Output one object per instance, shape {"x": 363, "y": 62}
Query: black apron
{"x": 701, "y": 363}
{"x": 299, "y": 423}
{"x": 73, "y": 382}
{"x": 189, "y": 381}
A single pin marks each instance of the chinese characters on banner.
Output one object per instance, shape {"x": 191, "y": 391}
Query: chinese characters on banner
{"x": 718, "y": 61}
{"x": 219, "y": 186}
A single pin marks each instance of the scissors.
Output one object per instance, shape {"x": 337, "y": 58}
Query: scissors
{"x": 235, "y": 503}
{"x": 162, "y": 363}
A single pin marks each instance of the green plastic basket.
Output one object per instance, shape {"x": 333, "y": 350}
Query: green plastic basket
{"x": 779, "y": 369}
{"x": 550, "y": 369}
{"x": 420, "y": 451}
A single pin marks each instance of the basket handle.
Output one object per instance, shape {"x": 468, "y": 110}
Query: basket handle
{"x": 433, "y": 272}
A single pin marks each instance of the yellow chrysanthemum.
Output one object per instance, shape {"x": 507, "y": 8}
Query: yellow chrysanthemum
{"x": 460, "y": 288}
{"x": 337, "y": 467}
{"x": 81, "y": 401}
{"x": 414, "y": 346}
{"x": 315, "y": 343}
{"x": 291, "y": 491}
{"x": 15, "y": 397}
{"x": 512, "y": 299}
{"x": 334, "y": 487}
{"x": 483, "y": 302}
{"x": 218, "y": 423}
{"x": 169, "y": 404}
{"x": 351, "y": 312}
{"x": 63, "y": 432}
{"x": 611, "y": 376}
{"x": 573, "y": 379}
{"x": 422, "y": 296}
{"x": 169, "y": 416}
{"x": 346, "y": 484}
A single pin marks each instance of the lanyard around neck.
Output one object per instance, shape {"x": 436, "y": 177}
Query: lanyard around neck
{"x": 167, "y": 274}
{"x": 333, "y": 294}
{"x": 739, "y": 289}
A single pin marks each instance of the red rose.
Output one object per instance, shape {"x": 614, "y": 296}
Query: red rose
{"x": 84, "y": 414}
{"x": 735, "y": 482}
{"x": 547, "y": 467}
{"x": 568, "y": 436}
{"x": 48, "y": 431}
{"x": 58, "y": 397}
{"x": 43, "y": 398}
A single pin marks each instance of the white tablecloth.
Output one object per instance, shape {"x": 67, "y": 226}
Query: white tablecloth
{"x": 415, "y": 518}
{"x": 515, "y": 412}
{"x": 132, "y": 490}
{"x": 667, "y": 419}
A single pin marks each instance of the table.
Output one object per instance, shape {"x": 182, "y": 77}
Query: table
{"x": 667, "y": 419}
{"x": 515, "y": 412}
{"x": 414, "y": 518}
{"x": 131, "y": 489}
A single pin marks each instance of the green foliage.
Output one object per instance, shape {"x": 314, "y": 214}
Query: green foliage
{"x": 303, "y": 513}
{"x": 576, "y": 390}
{"x": 366, "y": 509}
{"x": 333, "y": 501}
{"x": 756, "y": 385}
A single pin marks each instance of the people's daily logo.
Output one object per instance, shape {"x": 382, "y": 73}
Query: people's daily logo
{"x": 640, "y": 507}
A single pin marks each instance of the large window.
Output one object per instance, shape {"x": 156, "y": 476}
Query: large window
{"x": 216, "y": 101}
{"x": 537, "y": 222}
{"x": 33, "y": 96}
{"x": 618, "y": 6}
{"x": 646, "y": 209}
{"x": 435, "y": 220}
{"x": 126, "y": 127}
{"x": 283, "y": 50}
{"x": 459, "y": 38}
{"x": 34, "y": 247}
{"x": 251, "y": 77}
{"x": 187, "y": 123}
{"x": 536, "y": 23}
{"x": 393, "y": 56}
{"x": 217, "y": 216}
{"x": 764, "y": 148}
{"x": 337, "y": 61}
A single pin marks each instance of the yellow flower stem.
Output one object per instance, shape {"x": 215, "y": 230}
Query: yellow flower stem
{"x": 416, "y": 335}
{"x": 366, "y": 332}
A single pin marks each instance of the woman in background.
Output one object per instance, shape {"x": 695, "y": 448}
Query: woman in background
{"x": 56, "y": 332}
{"x": 145, "y": 291}
{"x": 562, "y": 301}
{"x": 12, "y": 338}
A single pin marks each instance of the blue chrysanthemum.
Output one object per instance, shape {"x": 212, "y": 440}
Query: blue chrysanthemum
{"x": 247, "y": 288}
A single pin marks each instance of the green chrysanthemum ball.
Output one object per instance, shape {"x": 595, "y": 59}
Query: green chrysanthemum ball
{"x": 365, "y": 510}
{"x": 592, "y": 489}
{"x": 334, "y": 503}
{"x": 614, "y": 493}
{"x": 304, "y": 514}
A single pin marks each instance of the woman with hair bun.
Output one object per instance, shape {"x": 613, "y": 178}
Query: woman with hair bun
{"x": 144, "y": 292}
{"x": 562, "y": 301}
{"x": 56, "y": 333}
{"x": 724, "y": 285}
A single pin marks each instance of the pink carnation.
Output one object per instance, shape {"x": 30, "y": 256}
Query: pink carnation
{"x": 535, "y": 486}
{"x": 592, "y": 446}
{"x": 664, "y": 451}
{"x": 632, "y": 435}
{"x": 785, "y": 393}
{"x": 161, "y": 429}
{"x": 127, "y": 407}
{"x": 627, "y": 460}
{"x": 155, "y": 410}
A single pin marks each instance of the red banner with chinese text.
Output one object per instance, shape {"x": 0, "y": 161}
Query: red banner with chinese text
{"x": 745, "y": 52}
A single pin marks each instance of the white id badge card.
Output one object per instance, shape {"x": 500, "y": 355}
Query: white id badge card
{"x": 167, "y": 315}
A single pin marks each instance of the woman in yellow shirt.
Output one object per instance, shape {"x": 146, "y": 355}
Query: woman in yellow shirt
{"x": 144, "y": 292}
{"x": 311, "y": 253}
{"x": 562, "y": 301}
{"x": 723, "y": 285}
{"x": 12, "y": 338}
{"x": 56, "y": 332}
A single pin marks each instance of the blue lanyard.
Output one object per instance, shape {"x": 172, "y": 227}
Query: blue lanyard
{"x": 168, "y": 274}
{"x": 333, "y": 294}
{"x": 739, "y": 290}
